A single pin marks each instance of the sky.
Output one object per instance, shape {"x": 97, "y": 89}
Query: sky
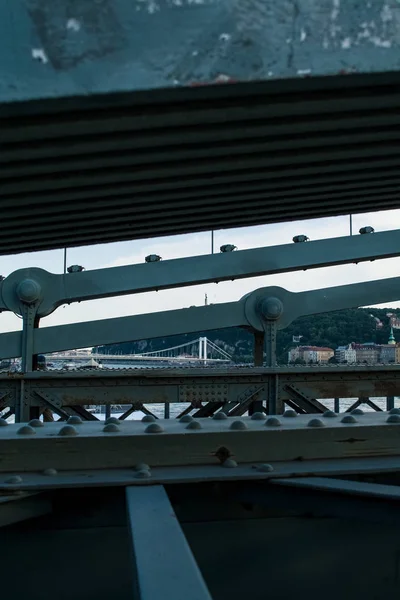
{"x": 126, "y": 253}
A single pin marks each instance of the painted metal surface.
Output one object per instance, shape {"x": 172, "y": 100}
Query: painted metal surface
{"x": 163, "y": 563}
{"x": 233, "y": 389}
{"x": 135, "y": 165}
{"x": 265, "y": 309}
{"x": 72, "y": 47}
{"x": 54, "y": 290}
{"x": 168, "y": 442}
{"x": 144, "y": 475}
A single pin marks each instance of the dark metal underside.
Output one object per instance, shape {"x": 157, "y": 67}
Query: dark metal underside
{"x": 127, "y": 166}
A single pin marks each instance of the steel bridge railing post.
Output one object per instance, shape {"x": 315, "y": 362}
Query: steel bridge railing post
{"x": 336, "y": 407}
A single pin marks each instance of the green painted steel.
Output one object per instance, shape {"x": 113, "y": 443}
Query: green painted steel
{"x": 51, "y": 291}
{"x": 139, "y": 165}
{"x": 163, "y": 563}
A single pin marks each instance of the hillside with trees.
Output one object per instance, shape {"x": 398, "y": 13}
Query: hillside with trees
{"x": 328, "y": 329}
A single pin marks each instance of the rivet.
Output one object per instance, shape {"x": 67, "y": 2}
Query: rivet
{"x": 68, "y": 430}
{"x": 3, "y": 423}
{"x": 330, "y": 414}
{"x": 316, "y": 423}
{"x": 290, "y": 413}
{"x": 26, "y": 430}
{"x": 194, "y": 425}
{"x": 50, "y": 472}
{"x": 74, "y": 420}
{"x": 229, "y": 463}
{"x": 142, "y": 467}
{"x": 357, "y": 411}
{"x": 112, "y": 421}
{"x": 394, "y": 411}
{"x": 265, "y": 468}
{"x": 154, "y": 428}
{"x": 148, "y": 419}
{"x": 186, "y": 419}
{"x": 273, "y": 422}
{"x": 220, "y": 416}
{"x": 393, "y": 419}
{"x": 349, "y": 419}
{"x": 14, "y": 479}
{"x": 35, "y": 423}
{"x": 111, "y": 428}
{"x": 258, "y": 416}
{"x": 238, "y": 426}
{"x": 143, "y": 474}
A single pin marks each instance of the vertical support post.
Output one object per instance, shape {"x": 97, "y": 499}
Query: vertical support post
{"x": 270, "y": 343}
{"x": 389, "y": 402}
{"x": 336, "y": 407}
{"x": 28, "y": 324}
{"x": 274, "y": 406}
{"x": 108, "y": 411}
{"x": 212, "y": 242}
{"x": 65, "y": 261}
{"x": 259, "y": 336}
{"x": 166, "y": 410}
{"x": 351, "y": 224}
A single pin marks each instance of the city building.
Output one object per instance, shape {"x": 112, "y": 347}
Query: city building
{"x": 346, "y": 354}
{"x": 311, "y": 354}
{"x": 368, "y": 353}
{"x": 387, "y": 353}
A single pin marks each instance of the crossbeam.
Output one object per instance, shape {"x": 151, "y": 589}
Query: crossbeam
{"x": 118, "y": 281}
{"x": 216, "y": 386}
{"x": 210, "y": 442}
{"x": 158, "y": 540}
{"x": 252, "y": 311}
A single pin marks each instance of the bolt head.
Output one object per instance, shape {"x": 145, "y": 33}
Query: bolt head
{"x": 229, "y": 463}
{"x": 273, "y": 422}
{"x": 220, "y": 416}
{"x": 68, "y": 430}
{"x": 26, "y": 430}
{"x": 154, "y": 428}
{"x": 112, "y": 421}
{"x": 393, "y": 419}
{"x": 74, "y": 420}
{"x": 349, "y": 419}
{"x": 238, "y": 426}
{"x": 29, "y": 291}
{"x": 290, "y": 413}
{"x": 50, "y": 472}
{"x": 271, "y": 308}
{"x": 316, "y": 423}
{"x": 111, "y": 428}
{"x": 194, "y": 425}
{"x": 35, "y": 423}
{"x": 186, "y": 419}
{"x": 258, "y": 416}
{"x": 147, "y": 419}
{"x": 329, "y": 414}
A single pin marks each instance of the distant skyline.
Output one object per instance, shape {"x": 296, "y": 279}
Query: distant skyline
{"x": 125, "y": 253}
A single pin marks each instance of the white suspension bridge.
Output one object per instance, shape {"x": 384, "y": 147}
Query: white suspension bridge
{"x": 200, "y": 350}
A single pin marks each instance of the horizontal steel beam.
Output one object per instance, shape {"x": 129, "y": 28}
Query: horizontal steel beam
{"x": 95, "y": 478}
{"x": 76, "y": 287}
{"x": 211, "y": 385}
{"x": 163, "y": 563}
{"x": 204, "y": 441}
{"x": 251, "y": 311}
